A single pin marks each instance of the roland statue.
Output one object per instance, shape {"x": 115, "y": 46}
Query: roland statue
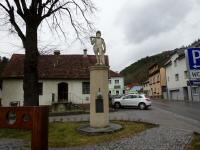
{"x": 99, "y": 47}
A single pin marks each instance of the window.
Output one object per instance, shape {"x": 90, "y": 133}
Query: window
{"x": 195, "y": 90}
{"x": 116, "y": 81}
{"x": 155, "y": 90}
{"x": 140, "y": 96}
{"x": 186, "y": 74}
{"x": 40, "y": 88}
{"x": 127, "y": 97}
{"x": 117, "y": 92}
{"x": 176, "y": 77}
{"x": 134, "y": 96}
{"x": 86, "y": 87}
{"x": 110, "y": 81}
{"x": 117, "y": 87}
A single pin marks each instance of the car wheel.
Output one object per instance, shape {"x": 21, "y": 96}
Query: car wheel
{"x": 142, "y": 106}
{"x": 117, "y": 105}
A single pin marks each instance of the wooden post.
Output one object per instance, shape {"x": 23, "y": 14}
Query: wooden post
{"x": 36, "y": 121}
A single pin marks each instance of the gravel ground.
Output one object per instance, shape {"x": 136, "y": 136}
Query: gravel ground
{"x": 11, "y": 144}
{"x": 153, "y": 139}
{"x": 174, "y": 132}
{"x": 160, "y": 138}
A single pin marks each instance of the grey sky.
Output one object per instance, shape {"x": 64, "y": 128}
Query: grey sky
{"x": 132, "y": 30}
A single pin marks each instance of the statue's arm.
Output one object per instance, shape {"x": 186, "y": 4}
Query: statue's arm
{"x": 92, "y": 40}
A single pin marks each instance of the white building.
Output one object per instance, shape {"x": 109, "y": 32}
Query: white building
{"x": 116, "y": 84}
{"x": 62, "y": 78}
{"x": 177, "y": 78}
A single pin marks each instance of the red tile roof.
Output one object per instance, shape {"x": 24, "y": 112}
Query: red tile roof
{"x": 114, "y": 74}
{"x": 54, "y": 66}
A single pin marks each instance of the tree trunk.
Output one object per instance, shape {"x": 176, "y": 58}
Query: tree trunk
{"x": 30, "y": 82}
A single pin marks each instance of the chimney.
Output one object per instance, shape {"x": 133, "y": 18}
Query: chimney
{"x": 57, "y": 52}
{"x": 85, "y": 52}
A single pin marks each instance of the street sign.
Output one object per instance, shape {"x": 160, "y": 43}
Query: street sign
{"x": 193, "y": 55}
{"x": 193, "y": 83}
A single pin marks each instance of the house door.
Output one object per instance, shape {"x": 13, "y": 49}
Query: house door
{"x": 62, "y": 91}
{"x": 174, "y": 94}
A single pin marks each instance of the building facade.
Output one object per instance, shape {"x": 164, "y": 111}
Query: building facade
{"x": 116, "y": 84}
{"x": 61, "y": 78}
{"x": 177, "y": 79}
{"x": 157, "y": 81}
{"x": 146, "y": 88}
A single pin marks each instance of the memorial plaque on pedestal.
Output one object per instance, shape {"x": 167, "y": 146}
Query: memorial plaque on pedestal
{"x": 99, "y": 106}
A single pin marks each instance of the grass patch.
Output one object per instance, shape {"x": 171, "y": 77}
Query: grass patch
{"x": 66, "y": 135}
{"x": 195, "y": 144}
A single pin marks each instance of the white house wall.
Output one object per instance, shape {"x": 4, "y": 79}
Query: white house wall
{"x": 13, "y": 91}
{"x": 179, "y": 69}
{"x": 175, "y": 88}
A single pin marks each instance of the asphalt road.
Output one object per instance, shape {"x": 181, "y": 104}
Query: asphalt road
{"x": 189, "y": 110}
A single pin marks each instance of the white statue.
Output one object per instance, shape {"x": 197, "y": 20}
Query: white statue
{"x": 99, "y": 48}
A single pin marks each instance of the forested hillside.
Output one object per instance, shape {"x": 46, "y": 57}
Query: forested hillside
{"x": 138, "y": 71}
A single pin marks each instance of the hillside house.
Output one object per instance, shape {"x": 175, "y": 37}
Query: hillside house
{"x": 157, "y": 81}
{"x": 177, "y": 79}
{"x": 116, "y": 84}
{"x": 61, "y": 78}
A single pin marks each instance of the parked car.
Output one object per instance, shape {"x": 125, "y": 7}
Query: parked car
{"x": 136, "y": 100}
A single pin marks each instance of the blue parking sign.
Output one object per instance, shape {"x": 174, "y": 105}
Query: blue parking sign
{"x": 193, "y": 55}
{"x": 194, "y": 58}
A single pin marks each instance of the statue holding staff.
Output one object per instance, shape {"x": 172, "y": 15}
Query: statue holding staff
{"x": 99, "y": 48}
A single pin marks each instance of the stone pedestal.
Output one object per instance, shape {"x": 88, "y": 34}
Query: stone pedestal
{"x": 99, "y": 108}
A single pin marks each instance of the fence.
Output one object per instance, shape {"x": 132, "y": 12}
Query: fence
{"x": 30, "y": 118}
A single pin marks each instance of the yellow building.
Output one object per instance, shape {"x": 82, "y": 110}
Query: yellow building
{"x": 157, "y": 81}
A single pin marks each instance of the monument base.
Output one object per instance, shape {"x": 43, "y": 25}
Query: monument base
{"x": 99, "y": 106}
{"x": 112, "y": 127}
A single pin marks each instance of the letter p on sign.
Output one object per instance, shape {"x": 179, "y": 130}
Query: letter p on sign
{"x": 196, "y": 56}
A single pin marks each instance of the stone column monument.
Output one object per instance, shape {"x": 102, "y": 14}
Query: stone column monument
{"x": 99, "y": 104}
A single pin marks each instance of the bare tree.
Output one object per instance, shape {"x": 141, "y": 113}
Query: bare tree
{"x": 32, "y": 13}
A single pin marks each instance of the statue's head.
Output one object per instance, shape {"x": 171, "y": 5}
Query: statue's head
{"x": 98, "y": 34}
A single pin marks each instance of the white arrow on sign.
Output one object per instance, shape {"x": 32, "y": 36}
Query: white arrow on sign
{"x": 196, "y": 66}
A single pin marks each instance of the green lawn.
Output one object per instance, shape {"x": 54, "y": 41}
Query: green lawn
{"x": 195, "y": 144}
{"x": 66, "y": 135}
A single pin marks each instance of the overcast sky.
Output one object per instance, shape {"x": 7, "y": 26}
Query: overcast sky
{"x": 131, "y": 29}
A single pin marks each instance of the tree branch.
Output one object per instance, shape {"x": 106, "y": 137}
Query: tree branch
{"x": 10, "y": 11}
{"x": 19, "y": 9}
{"x": 4, "y": 7}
